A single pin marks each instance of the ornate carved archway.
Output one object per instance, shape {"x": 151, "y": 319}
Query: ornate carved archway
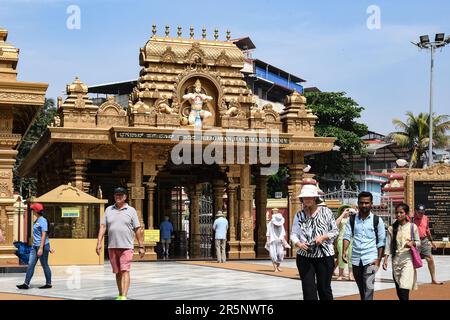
{"x": 211, "y": 86}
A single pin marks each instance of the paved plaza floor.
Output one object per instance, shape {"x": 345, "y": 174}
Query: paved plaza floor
{"x": 172, "y": 280}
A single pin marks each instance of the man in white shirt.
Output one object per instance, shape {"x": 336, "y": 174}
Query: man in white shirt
{"x": 220, "y": 227}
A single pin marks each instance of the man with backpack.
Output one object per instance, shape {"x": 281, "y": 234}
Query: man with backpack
{"x": 369, "y": 235}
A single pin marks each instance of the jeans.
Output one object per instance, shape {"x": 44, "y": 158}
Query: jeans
{"x": 365, "y": 279}
{"x": 220, "y": 250}
{"x": 44, "y": 262}
{"x": 311, "y": 269}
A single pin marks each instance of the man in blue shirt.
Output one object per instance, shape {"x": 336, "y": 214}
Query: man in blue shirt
{"x": 220, "y": 227}
{"x": 369, "y": 235}
{"x": 166, "y": 229}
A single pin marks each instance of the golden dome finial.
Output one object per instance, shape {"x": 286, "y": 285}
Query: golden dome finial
{"x": 204, "y": 34}
{"x": 167, "y": 30}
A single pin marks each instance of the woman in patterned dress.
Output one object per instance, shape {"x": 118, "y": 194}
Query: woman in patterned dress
{"x": 313, "y": 233}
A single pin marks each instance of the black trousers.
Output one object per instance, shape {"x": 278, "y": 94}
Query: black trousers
{"x": 403, "y": 294}
{"x": 316, "y": 274}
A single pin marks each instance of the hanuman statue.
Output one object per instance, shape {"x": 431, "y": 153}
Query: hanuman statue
{"x": 197, "y": 99}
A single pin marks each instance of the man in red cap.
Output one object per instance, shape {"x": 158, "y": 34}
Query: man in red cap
{"x": 40, "y": 250}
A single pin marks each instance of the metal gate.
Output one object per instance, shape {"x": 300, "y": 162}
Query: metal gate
{"x": 383, "y": 205}
{"x": 206, "y": 222}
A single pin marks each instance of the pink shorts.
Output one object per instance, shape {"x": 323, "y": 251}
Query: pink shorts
{"x": 120, "y": 259}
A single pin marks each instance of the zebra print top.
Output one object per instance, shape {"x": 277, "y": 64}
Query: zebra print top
{"x": 306, "y": 229}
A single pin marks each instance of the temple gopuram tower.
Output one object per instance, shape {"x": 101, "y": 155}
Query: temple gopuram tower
{"x": 19, "y": 104}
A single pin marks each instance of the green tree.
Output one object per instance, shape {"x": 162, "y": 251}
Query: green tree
{"x": 337, "y": 115}
{"x": 27, "y": 186}
{"x": 278, "y": 182}
{"x": 414, "y": 135}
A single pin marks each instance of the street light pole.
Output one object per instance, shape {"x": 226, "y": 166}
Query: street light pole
{"x": 425, "y": 43}
{"x": 430, "y": 143}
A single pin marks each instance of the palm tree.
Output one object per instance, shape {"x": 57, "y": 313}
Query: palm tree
{"x": 414, "y": 135}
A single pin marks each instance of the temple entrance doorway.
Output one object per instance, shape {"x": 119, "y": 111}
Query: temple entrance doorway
{"x": 190, "y": 195}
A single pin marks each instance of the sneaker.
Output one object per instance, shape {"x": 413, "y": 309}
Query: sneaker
{"x": 118, "y": 298}
{"x": 23, "y": 286}
{"x": 47, "y": 286}
{"x": 122, "y": 298}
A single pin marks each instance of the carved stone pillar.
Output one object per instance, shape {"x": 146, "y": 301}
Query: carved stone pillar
{"x": 151, "y": 187}
{"x": 7, "y": 161}
{"x": 78, "y": 173}
{"x": 137, "y": 196}
{"x": 137, "y": 190}
{"x": 295, "y": 185}
{"x": 261, "y": 209}
{"x": 78, "y": 177}
{"x": 233, "y": 252}
{"x": 194, "y": 237}
{"x": 7, "y": 249}
{"x": 218, "y": 187}
{"x": 247, "y": 244}
{"x": 150, "y": 253}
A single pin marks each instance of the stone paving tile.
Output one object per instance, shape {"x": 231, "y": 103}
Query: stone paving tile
{"x": 175, "y": 281}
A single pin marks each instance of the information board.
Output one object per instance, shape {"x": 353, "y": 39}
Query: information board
{"x": 435, "y": 196}
{"x": 151, "y": 235}
{"x": 70, "y": 212}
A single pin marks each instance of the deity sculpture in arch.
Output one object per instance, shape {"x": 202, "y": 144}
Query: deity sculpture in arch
{"x": 197, "y": 115}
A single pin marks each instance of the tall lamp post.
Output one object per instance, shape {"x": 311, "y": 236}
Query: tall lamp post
{"x": 424, "y": 43}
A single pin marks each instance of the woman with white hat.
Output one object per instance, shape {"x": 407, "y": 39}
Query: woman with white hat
{"x": 276, "y": 242}
{"x": 313, "y": 233}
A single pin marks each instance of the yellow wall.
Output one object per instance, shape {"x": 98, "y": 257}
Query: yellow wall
{"x": 74, "y": 252}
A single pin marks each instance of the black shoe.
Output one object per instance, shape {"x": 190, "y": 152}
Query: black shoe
{"x": 23, "y": 286}
{"x": 47, "y": 286}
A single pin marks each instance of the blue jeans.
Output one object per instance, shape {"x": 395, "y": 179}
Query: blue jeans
{"x": 44, "y": 262}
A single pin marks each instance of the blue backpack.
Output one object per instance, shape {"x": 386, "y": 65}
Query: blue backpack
{"x": 23, "y": 251}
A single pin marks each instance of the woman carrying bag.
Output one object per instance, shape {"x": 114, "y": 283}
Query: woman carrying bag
{"x": 402, "y": 239}
{"x": 313, "y": 233}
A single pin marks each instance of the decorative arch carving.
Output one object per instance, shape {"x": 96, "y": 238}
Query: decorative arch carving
{"x": 195, "y": 55}
{"x": 111, "y": 113}
{"x": 206, "y": 77}
{"x": 223, "y": 59}
{"x": 168, "y": 56}
{"x": 271, "y": 117}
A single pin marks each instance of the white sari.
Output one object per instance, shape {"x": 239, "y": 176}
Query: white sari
{"x": 276, "y": 242}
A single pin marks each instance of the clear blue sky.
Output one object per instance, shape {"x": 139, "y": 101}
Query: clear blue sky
{"x": 326, "y": 42}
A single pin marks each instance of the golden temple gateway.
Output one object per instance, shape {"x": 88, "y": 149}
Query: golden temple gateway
{"x": 190, "y": 100}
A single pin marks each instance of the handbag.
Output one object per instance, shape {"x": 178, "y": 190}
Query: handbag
{"x": 415, "y": 255}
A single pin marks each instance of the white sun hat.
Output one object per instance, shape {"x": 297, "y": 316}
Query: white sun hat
{"x": 309, "y": 191}
{"x": 277, "y": 219}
